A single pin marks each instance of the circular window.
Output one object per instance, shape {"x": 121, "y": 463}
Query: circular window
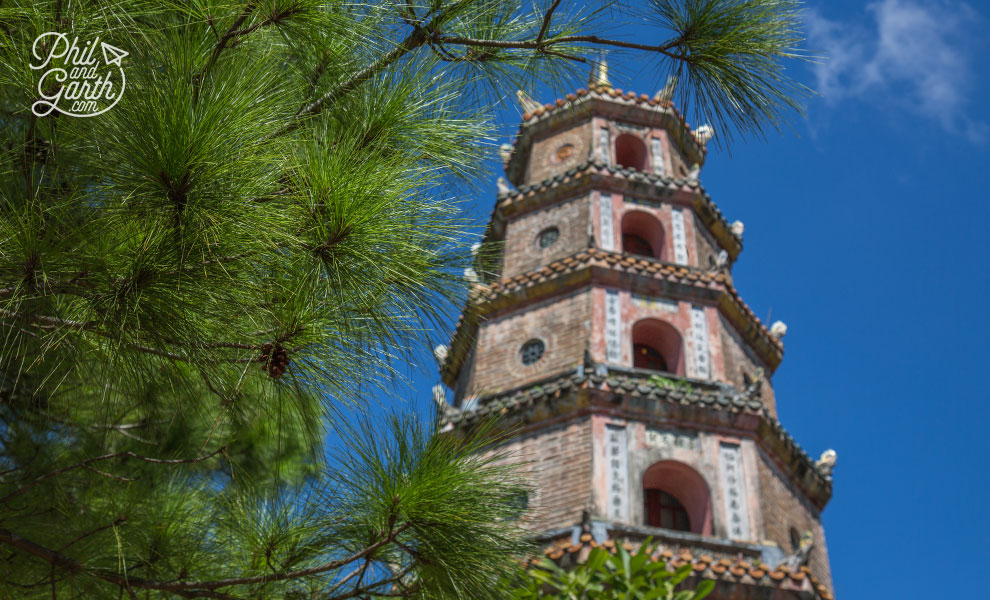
{"x": 548, "y": 236}
{"x": 531, "y": 352}
{"x": 562, "y": 153}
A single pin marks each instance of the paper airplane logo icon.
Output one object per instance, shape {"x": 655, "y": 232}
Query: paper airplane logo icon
{"x": 112, "y": 51}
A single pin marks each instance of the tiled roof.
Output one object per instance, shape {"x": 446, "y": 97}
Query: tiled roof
{"x": 517, "y": 198}
{"x": 671, "y": 183}
{"x": 730, "y": 302}
{"x": 629, "y": 97}
{"x": 706, "y": 566}
{"x": 603, "y": 258}
{"x": 716, "y": 399}
{"x": 709, "y": 396}
{"x": 550, "y": 115}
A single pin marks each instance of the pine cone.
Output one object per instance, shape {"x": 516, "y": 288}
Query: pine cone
{"x": 274, "y": 360}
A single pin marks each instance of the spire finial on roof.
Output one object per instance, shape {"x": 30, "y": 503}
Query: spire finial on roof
{"x": 666, "y": 93}
{"x": 599, "y": 74}
{"x": 528, "y": 104}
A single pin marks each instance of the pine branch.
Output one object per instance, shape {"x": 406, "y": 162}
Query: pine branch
{"x": 536, "y": 44}
{"x": 198, "y": 589}
{"x": 546, "y": 21}
{"x": 85, "y": 463}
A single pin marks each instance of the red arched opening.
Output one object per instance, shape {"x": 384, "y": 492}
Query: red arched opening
{"x": 642, "y": 234}
{"x": 657, "y": 346}
{"x": 630, "y": 152}
{"x": 676, "y": 497}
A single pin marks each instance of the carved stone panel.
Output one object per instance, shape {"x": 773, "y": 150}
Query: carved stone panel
{"x": 734, "y": 491}
{"x": 699, "y": 339}
{"x": 617, "y": 473}
{"x": 605, "y": 222}
{"x": 680, "y": 238}
{"x": 613, "y": 327}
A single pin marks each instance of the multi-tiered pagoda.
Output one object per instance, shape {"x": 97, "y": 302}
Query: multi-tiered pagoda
{"x": 611, "y": 337}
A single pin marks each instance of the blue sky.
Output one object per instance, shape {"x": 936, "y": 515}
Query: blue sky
{"x": 866, "y": 233}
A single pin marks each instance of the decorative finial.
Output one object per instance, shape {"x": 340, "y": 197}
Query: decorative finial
{"x": 778, "y": 329}
{"x": 599, "y": 75}
{"x": 717, "y": 263}
{"x": 694, "y": 173}
{"x": 826, "y": 463}
{"x": 439, "y": 395}
{"x": 666, "y": 93}
{"x": 737, "y": 228}
{"x": 528, "y": 104}
{"x": 503, "y": 186}
{"x": 801, "y": 554}
{"x": 440, "y": 353}
{"x": 505, "y": 153}
{"x": 703, "y": 134}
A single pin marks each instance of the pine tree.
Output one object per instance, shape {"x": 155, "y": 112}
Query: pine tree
{"x": 197, "y": 283}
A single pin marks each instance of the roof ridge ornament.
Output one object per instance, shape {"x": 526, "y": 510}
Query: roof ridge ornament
{"x": 826, "y": 463}
{"x": 503, "y": 186}
{"x": 694, "y": 174}
{"x": 778, "y": 329}
{"x": 505, "y": 153}
{"x": 704, "y": 134}
{"x": 528, "y": 104}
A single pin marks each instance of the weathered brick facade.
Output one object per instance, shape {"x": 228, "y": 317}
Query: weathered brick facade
{"x": 522, "y": 251}
{"x": 784, "y": 511}
{"x": 620, "y": 351}
{"x": 740, "y": 363}
{"x": 560, "y": 453}
{"x": 558, "y": 151}
{"x": 562, "y": 323}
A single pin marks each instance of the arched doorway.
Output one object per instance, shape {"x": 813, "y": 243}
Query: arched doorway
{"x": 642, "y": 234}
{"x": 657, "y": 346}
{"x": 630, "y": 152}
{"x": 676, "y": 497}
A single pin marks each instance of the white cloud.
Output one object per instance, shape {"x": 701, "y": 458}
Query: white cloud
{"x": 909, "y": 53}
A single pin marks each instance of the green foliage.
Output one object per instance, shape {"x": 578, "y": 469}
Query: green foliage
{"x": 729, "y": 57}
{"x": 606, "y": 576}
{"x": 670, "y": 384}
{"x": 198, "y": 286}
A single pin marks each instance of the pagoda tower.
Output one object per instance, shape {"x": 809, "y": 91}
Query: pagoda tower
{"x": 610, "y": 338}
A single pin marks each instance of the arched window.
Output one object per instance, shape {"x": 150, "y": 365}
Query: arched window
{"x": 642, "y": 234}
{"x": 663, "y": 510}
{"x": 630, "y": 152}
{"x": 648, "y": 357}
{"x": 657, "y": 345}
{"x": 676, "y": 497}
{"x": 634, "y": 244}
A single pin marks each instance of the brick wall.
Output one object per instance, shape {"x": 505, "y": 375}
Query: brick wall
{"x": 563, "y": 323}
{"x": 557, "y": 462}
{"x": 549, "y": 157}
{"x": 522, "y": 250}
{"x": 783, "y": 509}
{"x": 739, "y": 359}
{"x": 678, "y": 165}
{"x": 705, "y": 247}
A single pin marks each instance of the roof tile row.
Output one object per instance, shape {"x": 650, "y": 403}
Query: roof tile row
{"x": 514, "y": 197}
{"x": 701, "y": 394}
{"x": 628, "y": 263}
{"x": 605, "y": 92}
{"x": 707, "y": 567}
